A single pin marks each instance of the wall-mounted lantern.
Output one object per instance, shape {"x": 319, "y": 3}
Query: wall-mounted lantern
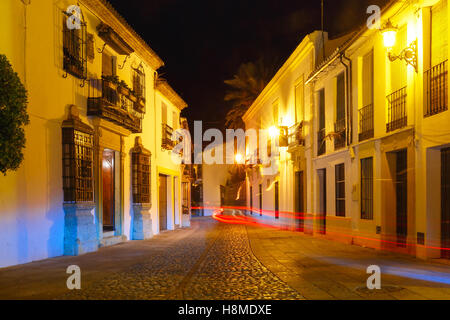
{"x": 408, "y": 54}
{"x": 284, "y": 133}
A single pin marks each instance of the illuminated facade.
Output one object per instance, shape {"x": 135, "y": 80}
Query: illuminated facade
{"x": 375, "y": 165}
{"x": 97, "y": 167}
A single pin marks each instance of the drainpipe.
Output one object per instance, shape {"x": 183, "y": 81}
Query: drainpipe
{"x": 348, "y": 73}
{"x": 155, "y": 77}
{"x": 26, "y": 3}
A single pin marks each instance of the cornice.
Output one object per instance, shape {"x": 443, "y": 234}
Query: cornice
{"x": 163, "y": 87}
{"x": 106, "y": 13}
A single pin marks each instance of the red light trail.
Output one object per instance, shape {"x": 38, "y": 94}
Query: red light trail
{"x": 218, "y": 214}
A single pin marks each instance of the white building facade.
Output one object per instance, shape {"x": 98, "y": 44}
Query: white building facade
{"x": 375, "y": 164}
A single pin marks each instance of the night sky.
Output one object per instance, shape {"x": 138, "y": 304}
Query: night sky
{"x": 203, "y": 42}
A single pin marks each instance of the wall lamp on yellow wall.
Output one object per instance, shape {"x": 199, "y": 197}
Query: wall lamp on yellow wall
{"x": 409, "y": 54}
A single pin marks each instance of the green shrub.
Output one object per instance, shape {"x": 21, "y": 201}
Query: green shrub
{"x": 13, "y": 116}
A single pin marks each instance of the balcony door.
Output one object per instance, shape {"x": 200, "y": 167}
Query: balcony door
{"x": 299, "y": 200}
{"x": 445, "y": 202}
{"x": 108, "y": 178}
{"x": 108, "y": 64}
{"x": 277, "y": 200}
{"x": 322, "y": 214}
{"x": 162, "y": 202}
{"x": 401, "y": 197}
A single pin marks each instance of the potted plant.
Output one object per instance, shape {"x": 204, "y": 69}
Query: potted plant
{"x": 132, "y": 96}
{"x": 110, "y": 81}
{"x": 123, "y": 88}
{"x": 141, "y": 102}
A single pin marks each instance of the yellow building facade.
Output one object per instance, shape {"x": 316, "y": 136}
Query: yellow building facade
{"x": 96, "y": 150}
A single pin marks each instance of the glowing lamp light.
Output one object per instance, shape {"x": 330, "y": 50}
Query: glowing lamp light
{"x": 274, "y": 131}
{"x": 389, "y": 33}
{"x": 238, "y": 158}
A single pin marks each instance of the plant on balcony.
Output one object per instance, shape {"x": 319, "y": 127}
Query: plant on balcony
{"x": 132, "y": 96}
{"x": 111, "y": 81}
{"x": 123, "y": 88}
{"x": 13, "y": 116}
{"x": 141, "y": 102}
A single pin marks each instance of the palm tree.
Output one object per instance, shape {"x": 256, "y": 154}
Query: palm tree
{"x": 246, "y": 85}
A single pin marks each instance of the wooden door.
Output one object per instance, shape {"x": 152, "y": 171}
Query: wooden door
{"x": 162, "y": 202}
{"x": 260, "y": 199}
{"x": 401, "y": 198}
{"x": 277, "y": 200}
{"x": 322, "y": 173}
{"x": 445, "y": 203}
{"x": 299, "y": 201}
{"x": 108, "y": 190}
{"x": 251, "y": 200}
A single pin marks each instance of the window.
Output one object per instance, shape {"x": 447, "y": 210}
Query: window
{"x": 174, "y": 120}
{"x": 163, "y": 113}
{"x": 275, "y": 113}
{"x": 439, "y": 27}
{"x": 436, "y": 72}
{"x": 340, "y": 189}
{"x": 299, "y": 102}
{"x": 321, "y": 143}
{"x": 339, "y": 125}
{"x": 366, "y": 112}
{"x": 77, "y": 148}
{"x": 74, "y": 48}
{"x": 367, "y": 188}
{"x": 167, "y": 131}
{"x": 141, "y": 173}
{"x": 139, "y": 82}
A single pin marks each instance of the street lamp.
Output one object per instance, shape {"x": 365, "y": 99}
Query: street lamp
{"x": 389, "y": 33}
{"x": 274, "y": 132}
{"x": 409, "y": 54}
{"x": 238, "y": 158}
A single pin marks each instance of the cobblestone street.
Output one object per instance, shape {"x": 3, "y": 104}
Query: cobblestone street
{"x": 213, "y": 260}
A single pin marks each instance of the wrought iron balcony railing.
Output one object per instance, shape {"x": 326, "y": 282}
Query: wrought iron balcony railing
{"x": 397, "y": 117}
{"x": 321, "y": 143}
{"x": 436, "y": 89}
{"x": 116, "y": 104}
{"x": 166, "y": 142}
{"x": 339, "y": 129}
{"x": 296, "y": 137}
{"x": 366, "y": 122}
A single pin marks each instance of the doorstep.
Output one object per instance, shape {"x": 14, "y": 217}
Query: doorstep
{"x": 110, "y": 240}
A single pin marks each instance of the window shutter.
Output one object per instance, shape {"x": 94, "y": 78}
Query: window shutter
{"x": 299, "y": 101}
{"x": 439, "y": 39}
{"x": 340, "y": 97}
{"x": 367, "y": 79}
{"x": 163, "y": 113}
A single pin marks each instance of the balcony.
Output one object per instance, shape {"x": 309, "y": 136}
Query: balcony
{"x": 436, "y": 89}
{"x": 366, "y": 122}
{"x": 296, "y": 137}
{"x": 114, "y": 102}
{"x": 166, "y": 142}
{"x": 339, "y": 137}
{"x": 321, "y": 143}
{"x": 396, "y": 110}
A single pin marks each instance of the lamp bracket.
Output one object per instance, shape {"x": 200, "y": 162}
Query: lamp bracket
{"x": 409, "y": 55}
